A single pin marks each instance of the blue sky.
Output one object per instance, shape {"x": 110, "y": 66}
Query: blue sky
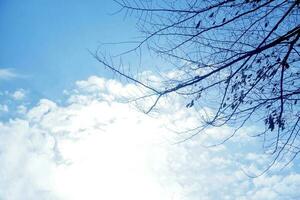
{"x": 64, "y": 119}
{"x": 46, "y": 42}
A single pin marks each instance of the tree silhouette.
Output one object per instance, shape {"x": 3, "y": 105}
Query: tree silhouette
{"x": 243, "y": 54}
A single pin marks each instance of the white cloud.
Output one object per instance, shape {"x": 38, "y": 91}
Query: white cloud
{"x": 21, "y": 109}
{"x": 19, "y": 94}
{"x": 97, "y": 147}
{"x": 3, "y": 108}
{"x": 7, "y": 74}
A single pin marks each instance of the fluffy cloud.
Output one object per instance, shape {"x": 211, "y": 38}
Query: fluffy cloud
{"x": 97, "y": 146}
{"x": 18, "y": 94}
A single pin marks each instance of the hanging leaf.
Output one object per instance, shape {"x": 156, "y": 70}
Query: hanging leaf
{"x": 198, "y": 24}
{"x": 266, "y": 24}
{"x": 233, "y": 106}
{"x": 287, "y": 65}
{"x": 211, "y": 15}
{"x": 224, "y": 19}
{"x": 191, "y": 104}
{"x": 271, "y": 123}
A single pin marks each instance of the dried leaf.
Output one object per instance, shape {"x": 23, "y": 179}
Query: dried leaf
{"x": 198, "y": 24}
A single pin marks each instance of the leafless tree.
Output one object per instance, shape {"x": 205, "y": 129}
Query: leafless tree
{"x": 243, "y": 55}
